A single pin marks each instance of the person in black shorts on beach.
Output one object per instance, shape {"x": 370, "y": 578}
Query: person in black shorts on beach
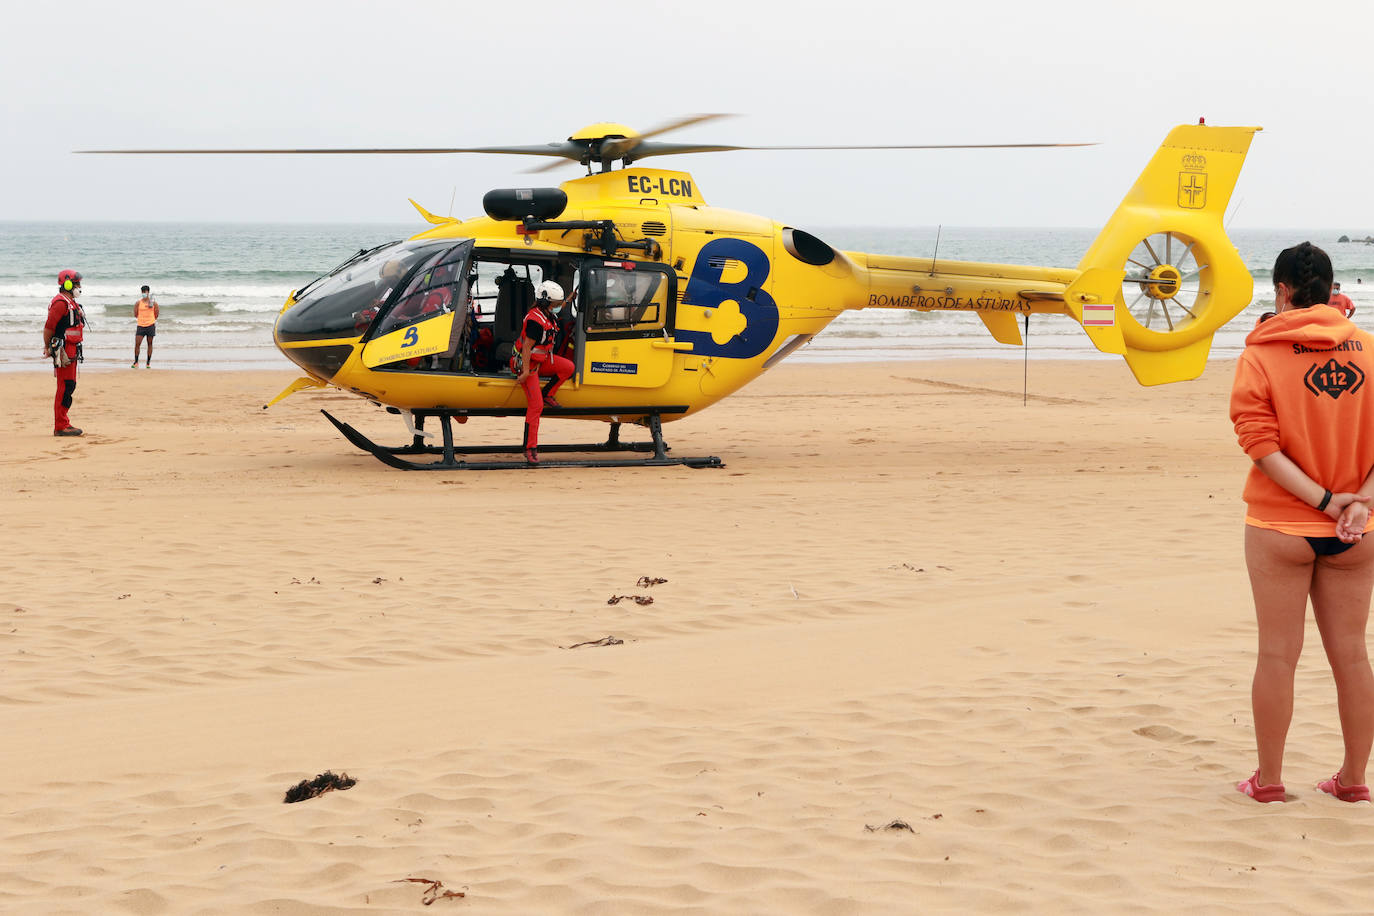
{"x": 145, "y": 313}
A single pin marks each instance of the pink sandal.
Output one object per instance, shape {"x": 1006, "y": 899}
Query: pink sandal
{"x": 1265, "y": 794}
{"x": 1336, "y": 788}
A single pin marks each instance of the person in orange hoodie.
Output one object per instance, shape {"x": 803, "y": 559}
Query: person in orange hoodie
{"x": 1303, "y": 408}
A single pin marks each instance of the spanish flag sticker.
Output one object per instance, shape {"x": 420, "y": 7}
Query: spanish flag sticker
{"x": 1099, "y": 315}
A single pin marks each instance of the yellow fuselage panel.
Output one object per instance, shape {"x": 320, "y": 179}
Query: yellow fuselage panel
{"x": 633, "y": 363}
{"x": 417, "y": 340}
{"x": 633, "y": 187}
{"x": 719, "y": 221}
{"x": 657, "y": 383}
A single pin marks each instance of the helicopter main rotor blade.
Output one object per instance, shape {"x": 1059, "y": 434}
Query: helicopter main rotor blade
{"x": 933, "y": 146}
{"x": 616, "y": 149}
{"x": 680, "y": 123}
{"x": 549, "y": 166}
{"x": 611, "y": 149}
{"x": 661, "y": 148}
{"x": 628, "y": 148}
{"x": 564, "y": 150}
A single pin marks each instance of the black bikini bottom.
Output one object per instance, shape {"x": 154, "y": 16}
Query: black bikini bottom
{"x": 1328, "y": 547}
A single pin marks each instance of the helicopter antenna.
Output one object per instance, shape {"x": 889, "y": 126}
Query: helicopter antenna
{"x": 451, "y": 198}
{"x": 1234, "y": 211}
{"x": 1025, "y": 372}
{"x": 937, "y": 250}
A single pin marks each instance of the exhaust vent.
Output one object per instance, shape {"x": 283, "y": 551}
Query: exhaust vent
{"x": 806, "y": 248}
{"x": 654, "y": 227}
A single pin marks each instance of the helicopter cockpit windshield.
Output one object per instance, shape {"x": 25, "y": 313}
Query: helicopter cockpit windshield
{"x": 345, "y": 302}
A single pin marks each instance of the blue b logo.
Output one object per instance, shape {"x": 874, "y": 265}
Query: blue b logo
{"x": 411, "y": 339}
{"x": 705, "y": 290}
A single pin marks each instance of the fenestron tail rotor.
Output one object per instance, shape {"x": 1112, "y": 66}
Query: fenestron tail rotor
{"x": 1167, "y": 283}
{"x": 605, "y": 143}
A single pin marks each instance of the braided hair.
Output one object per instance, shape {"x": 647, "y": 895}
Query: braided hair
{"x": 1307, "y": 271}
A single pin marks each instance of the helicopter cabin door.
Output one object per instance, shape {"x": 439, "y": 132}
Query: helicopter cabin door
{"x": 628, "y": 310}
{"x": 421, "y": 325}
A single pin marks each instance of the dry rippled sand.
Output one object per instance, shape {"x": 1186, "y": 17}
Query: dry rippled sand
{"x": 1021, "y": 631}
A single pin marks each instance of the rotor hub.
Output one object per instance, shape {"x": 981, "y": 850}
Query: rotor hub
{"x": 1163, "y": 282}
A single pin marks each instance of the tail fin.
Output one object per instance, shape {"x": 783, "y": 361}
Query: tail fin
{"x": 1183, "y": 279}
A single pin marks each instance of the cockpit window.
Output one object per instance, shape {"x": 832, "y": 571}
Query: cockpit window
{"x": 344, "y": 303}
{"x": 615, "y": 299}
{"x": 431, "y": 290}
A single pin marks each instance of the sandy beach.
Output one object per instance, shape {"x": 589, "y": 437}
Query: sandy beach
{"x": 921, "y": 647}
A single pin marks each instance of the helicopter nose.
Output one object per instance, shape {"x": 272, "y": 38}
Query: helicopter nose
{"x": 318, "y": 335}
{"x": 312, "y": 340}
{"x": 320, "y": 360}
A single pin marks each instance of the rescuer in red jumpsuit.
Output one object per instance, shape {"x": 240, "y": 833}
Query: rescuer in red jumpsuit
{"x": 62, "y": 335}
{"x": 534, "y": 357}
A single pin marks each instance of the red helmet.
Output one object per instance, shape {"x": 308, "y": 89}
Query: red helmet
{"x": 68, "y": 280}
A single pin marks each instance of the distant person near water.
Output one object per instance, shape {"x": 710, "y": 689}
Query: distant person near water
{"x": 145, "y": 313}
{"x": 1341, "y": 301}
{"x": 1304, "y": 413}
{"x": 62, "y": 335}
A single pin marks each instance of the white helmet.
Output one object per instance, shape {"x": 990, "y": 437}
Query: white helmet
{"x": 548, "y": 290}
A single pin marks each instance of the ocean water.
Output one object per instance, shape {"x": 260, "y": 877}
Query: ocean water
{"x": 220, "y": 287}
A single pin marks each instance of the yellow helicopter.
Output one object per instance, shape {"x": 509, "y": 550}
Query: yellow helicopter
{"x": 677, "y": 304}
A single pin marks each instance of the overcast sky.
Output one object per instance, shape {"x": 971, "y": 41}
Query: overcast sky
{"x": 80, "y": 75}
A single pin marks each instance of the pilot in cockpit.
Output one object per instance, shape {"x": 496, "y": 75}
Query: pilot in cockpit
{"x": 388, "y": 276}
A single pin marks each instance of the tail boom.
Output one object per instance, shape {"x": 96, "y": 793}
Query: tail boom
{"x": 997, "y": 292}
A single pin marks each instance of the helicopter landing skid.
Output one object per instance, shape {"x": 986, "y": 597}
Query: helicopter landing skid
{"x": 449, "y": 453}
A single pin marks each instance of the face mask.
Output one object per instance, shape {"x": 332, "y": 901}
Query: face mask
{"x": 557, "y": 309}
